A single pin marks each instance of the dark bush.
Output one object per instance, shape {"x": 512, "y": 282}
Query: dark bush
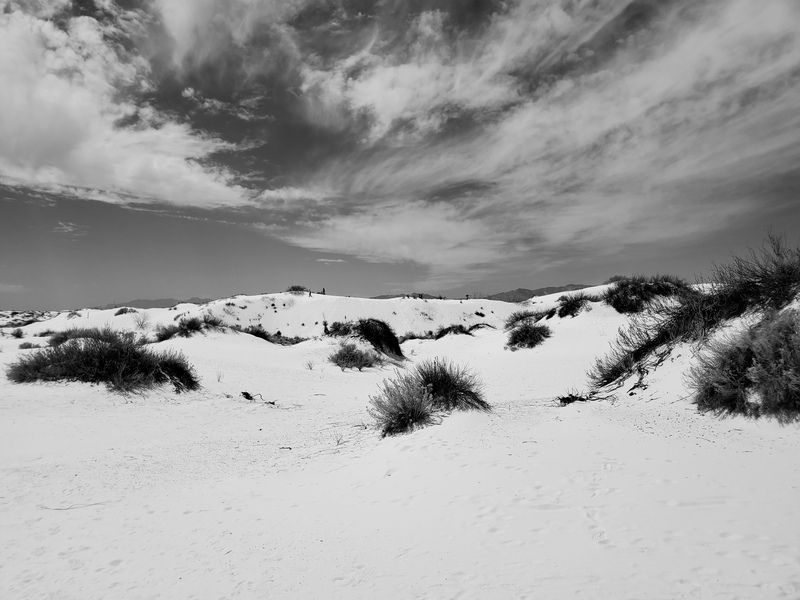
{"x": 756, "y": 373}
{"x": 297, "y": 289}
{"x": 124, "y": 311}
{"x": 631, "y": 295}
{"x": 340, "y": 329}
{"x": 522, "y": 315}
{"x": 274, "y": 338}
{"x": 350, "y": 356}
{"x": 213, "y": 322}
{"x": 18, "y": 334}
{"x": 452, "y": 330}
{"x": 106, "y": 334}
{"x": 570, "y": 306}
{"x": 28, "y": 346}
{"x": 104, "y": 356}
{"x": 451, "y": 387}
{"x": 187, "y": 327}
{"x": 378, "y": 333}
{"x": 165, "y": 332}
{"x": 401, "y": 405}
{"x": 528, "y": 335}
{"x": 571, "y": 397}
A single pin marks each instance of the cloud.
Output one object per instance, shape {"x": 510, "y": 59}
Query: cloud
{"x": 70, "y": 229}
{"x": 660, "y": 140}
{"x": 64, "y": 93}
{"x": 331, "y": 260}
{"x": 8, "y": 288}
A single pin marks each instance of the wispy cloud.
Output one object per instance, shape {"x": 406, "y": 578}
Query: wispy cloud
{"x": 70, "y": 229}
{"x": 8, "y": 288}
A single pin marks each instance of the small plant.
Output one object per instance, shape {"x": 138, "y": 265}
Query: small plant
{"x": 378, "y": 333}
{"x": 141, "y": 321}
{"x": 18, "y": 333}
{"x": 452, "y": 330}
{"x": 522, "y": 315}
{"x": 573, "y": 396}
{"x": 28, "y": 346}
{"x": 570, "y": 306}
{"x": 401, "y": 405}
{"x": 350, "y": 356}
{"x": 340, "y": 329}
{"x": 297, "y": 289}
{"x": 212, "y": 322}
{"x": 451, "y": 387}
{"x": 528, "y": 335}
{"x": 187, "y": 327}
{"x": 165, "y": 332}
{"x": 124, "y": 311}
{"x": 73, "y": 314}
{"x": 117, "y": 359}
{"x": 309, "y": 364}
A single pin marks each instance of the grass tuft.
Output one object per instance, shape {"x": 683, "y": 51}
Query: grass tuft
{"x": 632, "y": 294}
{"x": 528, "y": 335}
{"x": 451, "y": 387}
{"x": 458, "y": 329}
{"x": 571, "y": 305}
{"x": 118, "y": 359}
{"x": 125, "y": 310}
{"x": 350, "y": 356}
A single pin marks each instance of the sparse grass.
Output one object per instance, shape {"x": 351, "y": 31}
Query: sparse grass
{"x": 528, "y": 335}
{"x": 350, "y": 356}
{"x": 117, "y": 359}
{"x": 274, "y": 338}
{"x": 451, "y": 387}
{"x": 522, "y": 315}
{"x": 141, "y": 321}
{"x": 458, "y": 329}
{"x": 212, "y": 322}
{"x": 632, "y": 294}
{"x": 166, "y": 332}
{"x": 761, "y": 282}
{"x": 297, "y": 289}
{"x": 428, "y": 335}
{"x": 756, "y": 373}
{"x": 125, "y": 310}
{"x": 378, "y": 333}
{"x": 571, "y": 305}
{"x": 573, "y": 396}
{"x": 28, "y": 346}
{"x": 402, "y": 405}
{"x": 186, "y": 327}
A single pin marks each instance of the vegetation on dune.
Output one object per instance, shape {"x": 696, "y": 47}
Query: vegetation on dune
{"x": 125, "y": 310}
{"x": 350, "y": 356}
{"x": 118, "y": 359}
{"x": 761, "y": 363}
{"x": 414, "y": 399}
{"x": 632, "y": 294}
{"x": 528, "y": 335}
{"x": 571, "y": 305}
{"x": 756, "y": 373}
{"x": 458, "y": 329}
{"x": 275, "y": 338}
{"x": 297, "y": 289}
{"x": 377, "y": 333}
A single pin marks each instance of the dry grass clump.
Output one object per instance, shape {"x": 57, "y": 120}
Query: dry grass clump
{"x": 528, "y": 335}
{"x": 764, "y": 281}
{"x": 28, "y": 346}
{"x": 118, "y": 359}
{"x": 756, "y": 373}
{"x": 572, "y": 304}
{"x": 274, "y": 338}
{"x": 414, "y": 399}
{"x": 457, "y": 329}
{"x": 350, "y": 356}
{"x": 18, "y": 333}
{"x": 297, "y": 290}
{"x": 632, "y": 294}
{"x": 125, "y": 310}
{"x": 377, "y": 333}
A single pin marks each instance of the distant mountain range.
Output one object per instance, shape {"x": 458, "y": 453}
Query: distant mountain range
{"x": 160, "y": 303}
{"x": 522, "y": 294}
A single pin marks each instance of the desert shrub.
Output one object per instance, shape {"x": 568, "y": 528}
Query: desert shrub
{"x": 274, "y": 338}
{"x": 428, "y": 335}
{"x": 187, "y": 327}
{"x": 141, "y": 321}
{"x": 124, "y": 311}
{"x": 528, "y": 335}
{"x": 117, "y": 359}
{"x": 339, "y": 329}
{"x": 45, "y": 333}
{"x": 350, "y": 356}
{"x": 756, "y": 373}
{"x": 212, "y": 322}
{"x": 522, "y": 315}
{"x": 106, "y": 334}
{"x": 477, "y": 326}
{"x": 18, "y": 333}
{"x": 632, "y": 294}
{"x": 451, "y": 387}
{"x": 458, "y": 329}
{"x": 166, "y": 332}
{"x": 297, "y": 289}
{"x": 571, "y": 397}
{"x": 401, "y": 405}
{"x": 28, "y": 346}
{"x": 571, "y": 305}
{"x": 614, "y": 279}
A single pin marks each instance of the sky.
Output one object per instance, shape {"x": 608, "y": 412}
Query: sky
{"x": 179, "y": 148}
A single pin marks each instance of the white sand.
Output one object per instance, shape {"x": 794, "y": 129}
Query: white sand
{"x": 207, "y": 495}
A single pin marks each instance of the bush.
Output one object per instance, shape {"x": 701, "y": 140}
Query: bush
{"x": 166, "y": 332}
{"x": 213, "y": 322}
{"x": 570, "y": 306}
{"x": 274, "y": 338}
{"x": 187, "y": 327}
{"x": 28, "y": 346}
{"x": 106, "y": 334}
{"x": 350, "y": 356}
{"x": 528, "y": 335}
{"x": 631, "y": 295}
{"x": 522, "y": 315}
{"x": 452, "y": 330}
{"x": 401, "y": 405}
{"x": 573, "y": 396}
{"x": 756, "y": 373}
{"x": 378, "y": 333}
{"x": 18, "y": 333}
{"x": 297, "y": 289}
{"x": 451, "y": 387}
{"x": 104, "y": 356}
{"x": 124, "y": 311}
